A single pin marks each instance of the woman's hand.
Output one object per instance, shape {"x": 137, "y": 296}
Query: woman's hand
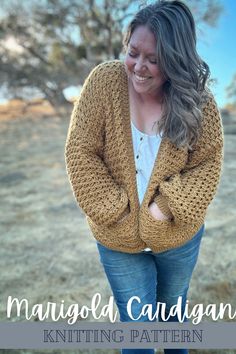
{"x": 156, "y": 212}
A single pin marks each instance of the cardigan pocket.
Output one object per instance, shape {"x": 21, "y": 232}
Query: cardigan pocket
{"x": 122, "y": 234}
{"x": 162, "y": 235}
{"x": 124, "y": 215}
{"x": 150, "y": 217}
{"x": 152, "y": 231}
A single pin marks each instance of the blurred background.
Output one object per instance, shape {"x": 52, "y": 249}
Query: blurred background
{"x": 47, "y": 48}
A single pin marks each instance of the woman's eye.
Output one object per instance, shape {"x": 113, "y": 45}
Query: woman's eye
{"x": 153, "y": 61}
{"x": 132, "y": 54}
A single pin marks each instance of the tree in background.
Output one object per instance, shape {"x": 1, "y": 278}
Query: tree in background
{"x": 49, "y": 45}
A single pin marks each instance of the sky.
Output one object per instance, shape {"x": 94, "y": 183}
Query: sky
{"x": 218, "y": 49}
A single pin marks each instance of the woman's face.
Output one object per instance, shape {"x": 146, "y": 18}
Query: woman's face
{"x": 141, "y": 63}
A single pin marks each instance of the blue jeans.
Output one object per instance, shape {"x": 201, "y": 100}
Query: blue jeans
{"x": 153, "y": 277}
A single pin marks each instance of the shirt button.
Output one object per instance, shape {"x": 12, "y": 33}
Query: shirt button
{"x": 136, "y": 171}
{"x": 137, "y": 156}
{"x": 141, "y": 138}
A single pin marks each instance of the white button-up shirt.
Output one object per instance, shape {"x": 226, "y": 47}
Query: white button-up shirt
{"x": 145, "y": 151}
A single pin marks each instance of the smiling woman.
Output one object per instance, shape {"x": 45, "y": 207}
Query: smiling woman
{"x": 141, "y": 62}
{"x": 145, "y": 80}
{"x": 144, "y": 155}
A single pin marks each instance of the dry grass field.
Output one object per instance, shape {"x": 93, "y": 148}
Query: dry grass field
{"x": 47, "y": 251}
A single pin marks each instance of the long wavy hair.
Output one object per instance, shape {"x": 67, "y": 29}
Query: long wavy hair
{"x": 185, "y": 89}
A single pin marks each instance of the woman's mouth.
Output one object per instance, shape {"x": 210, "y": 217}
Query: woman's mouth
{"x": 140, "y": 78}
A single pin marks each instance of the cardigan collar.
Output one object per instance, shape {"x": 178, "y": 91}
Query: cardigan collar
{"x": 128, "y": 136}
{"x": 164, "y": 152}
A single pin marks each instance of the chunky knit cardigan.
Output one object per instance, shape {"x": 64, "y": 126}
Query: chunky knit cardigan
{"x": 101, "y": 168}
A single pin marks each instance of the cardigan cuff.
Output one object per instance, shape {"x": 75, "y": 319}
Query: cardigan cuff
{"x": 162, "y": 203}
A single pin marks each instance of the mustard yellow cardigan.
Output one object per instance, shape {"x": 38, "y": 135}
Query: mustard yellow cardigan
{"x": 101, "y": 169}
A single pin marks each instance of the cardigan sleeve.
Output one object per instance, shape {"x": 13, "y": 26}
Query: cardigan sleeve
{"x": 187, "y": 195}
{"x": 95, "y": 190}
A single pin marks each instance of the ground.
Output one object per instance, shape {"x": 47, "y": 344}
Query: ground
{"x": 47, "y": 251}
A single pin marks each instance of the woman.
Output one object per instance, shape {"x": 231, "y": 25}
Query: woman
{"x": 144, "y": 157}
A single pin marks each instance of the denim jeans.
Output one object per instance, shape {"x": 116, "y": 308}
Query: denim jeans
{"x": 153, "y": 277}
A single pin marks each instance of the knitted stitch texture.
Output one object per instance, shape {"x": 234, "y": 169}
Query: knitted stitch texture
{"x": 101, "y": 169}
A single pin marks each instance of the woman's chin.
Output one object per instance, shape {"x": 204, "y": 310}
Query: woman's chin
{"x": 139, "y": 88}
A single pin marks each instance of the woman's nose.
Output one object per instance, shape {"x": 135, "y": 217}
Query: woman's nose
{"x": 140, "y": 64}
